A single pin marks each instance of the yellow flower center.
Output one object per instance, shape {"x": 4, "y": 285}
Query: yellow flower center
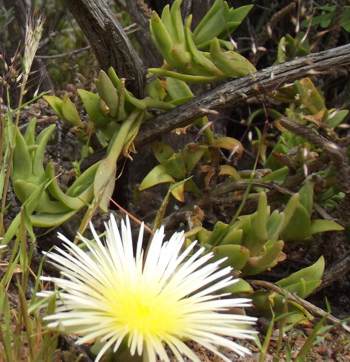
{"x": 145, "y": 311}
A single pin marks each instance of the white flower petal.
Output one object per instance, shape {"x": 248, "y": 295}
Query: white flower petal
{"x": 108, "y": 291}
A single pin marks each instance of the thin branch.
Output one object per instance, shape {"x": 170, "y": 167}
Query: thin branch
{"x": 65, "y": 54}
{"x": 313, "y": 309}
{"x": 241, "y": 90}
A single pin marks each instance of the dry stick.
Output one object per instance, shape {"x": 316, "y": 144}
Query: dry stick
{"x": 140, "y": 13}
{"x": 241, "y": 90}
{"x": 313, "y": 309}
{"x": 109, "y": 41}
{"x": 237, "y": 91}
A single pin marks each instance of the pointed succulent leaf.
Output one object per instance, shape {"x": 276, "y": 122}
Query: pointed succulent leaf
{"x": 29, "y": 135}
{"x": 219, "y": 231}
{"x": 189, "y": 78}
{"x": 162, "y": 151}
{"x": 70, "y": 112}
{"x": 236, "y": 16}
{"x": 178, "y": 89}
{"x": 335, "y": 117}
{"x": 299, "y": 226}
{"x": 204, "y": 236}
{"x": 91, "y": 102}
{"x": 55, "y": 103}
{"x": 82, "y": 182}
{"x": 22, "y": 162}
{"x": 211, "y": 25}
{"x": 321, "y": 226}
{"x": 178, "y": 190}
{"x": 233, "y": 236}
{"x": 303, "y": 288}
{"x": 108, "y": 92}
{"x": 230, "y": 144}
{"x": 236, "y": 255}
{"x": 275, "y": 224}
{"x": 156, "y": 176}
{"x": 192, "y": 154}
{"x": 168, "y": 22}
{"x": 240, "y": 287}
{"x": 269, "y": 258}
{"x": 175, "y": 166}
{"x": 104, "y": 182}
{"x": 176, "y": 17}
{"x": 227, "y": 170}
{"x": 161, "y": 36}
{"x": 290, "y": 209}
{"x": 50, "y": 220}
{"x": 277, "y": 176}
{"x": 38, "y": 159}
{"x": 306, "y": 194}
{"x": 73, "y": 203}
{"x": 309, "y": 96}
{"x": 259, "y": 220}
{"x": 231, "y": 63}
{"x": 313, "y": 272}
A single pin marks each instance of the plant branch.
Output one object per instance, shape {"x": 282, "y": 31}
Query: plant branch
{"x": 241, "y": 90}
{"x": 313, "y": 309}
{"x": 140, "y": 13}
{"x": 109, "y": 41}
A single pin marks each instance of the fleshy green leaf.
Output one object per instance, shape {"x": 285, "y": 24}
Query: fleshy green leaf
{"x": 156, "y": 176}
{"x": 321, "y": 226}
{"x": 237, "y": 255}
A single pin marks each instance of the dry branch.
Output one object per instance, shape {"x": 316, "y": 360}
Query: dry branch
{"x": 140, "y": 13}
{"x": 240, "y": 90}
{"x": 313, "y": 309}
{"x": 109, "y": 41}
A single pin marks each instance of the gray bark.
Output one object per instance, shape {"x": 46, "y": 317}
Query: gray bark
{"x": 109, "y": 41}
{"x": 241, "y": 90}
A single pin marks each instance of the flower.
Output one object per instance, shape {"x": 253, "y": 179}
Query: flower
{"x": 112, "y": 292}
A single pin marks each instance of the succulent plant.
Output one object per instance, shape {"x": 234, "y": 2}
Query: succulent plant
{"x": 251, "y": 244}
{"x": 301, "y": 283}
{"x": 44, "y": 203}
{"x": 198, "y": 56}
{"x": 254, "y": 243}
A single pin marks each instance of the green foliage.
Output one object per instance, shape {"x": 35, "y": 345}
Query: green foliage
{"x": 44, "y": 203}
{"x": 185, "y": 52}
{"x": 254, "y": 243}
{"x": 301, "y": 283}
{"x": 290, "y": 48}
{"x": 327, "y": 14}
{"x": 23, "y": 333}
{"x": 106, "y": 109}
